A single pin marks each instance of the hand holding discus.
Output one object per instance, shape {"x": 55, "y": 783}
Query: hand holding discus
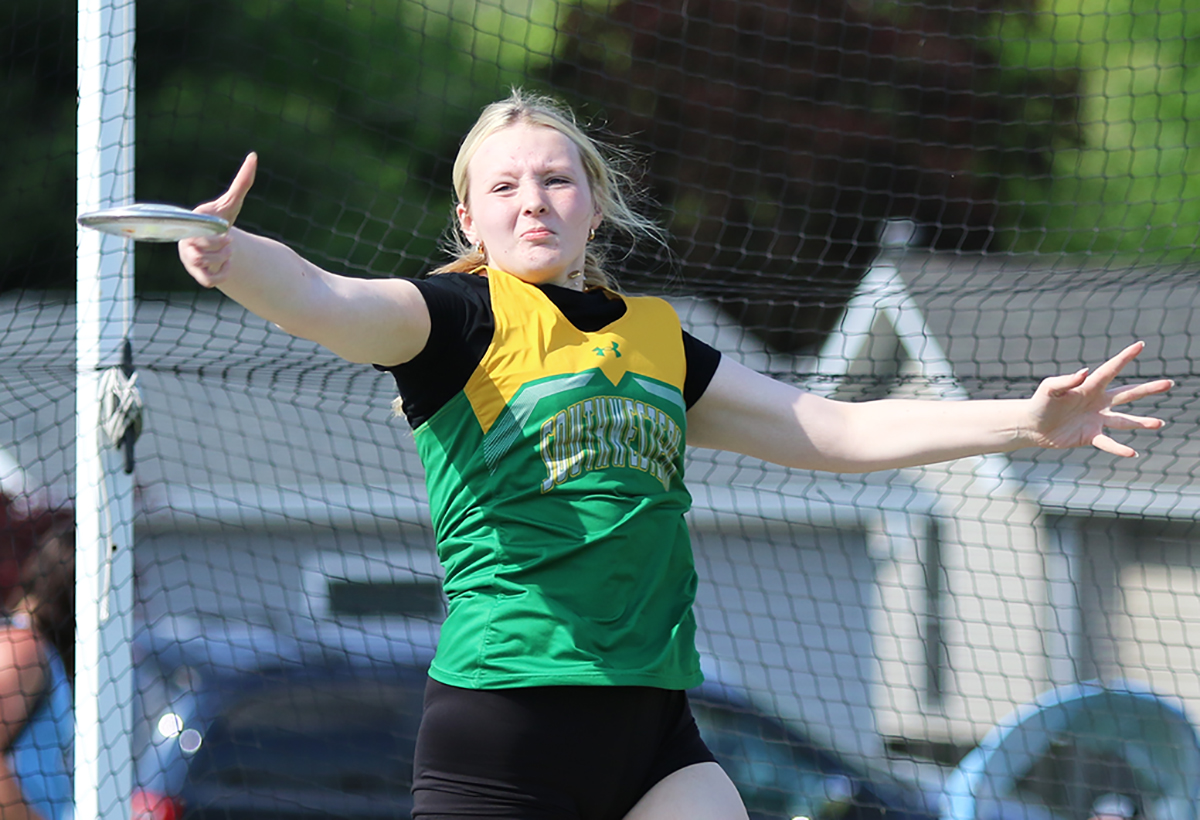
{"x": 202, "y": 234}
{"x": 206, "y": 256}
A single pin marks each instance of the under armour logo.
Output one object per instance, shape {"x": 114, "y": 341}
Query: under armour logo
{"x": 600, "y": 351}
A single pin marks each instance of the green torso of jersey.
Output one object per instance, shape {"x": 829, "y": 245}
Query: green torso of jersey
{"x": 555, "y": 484}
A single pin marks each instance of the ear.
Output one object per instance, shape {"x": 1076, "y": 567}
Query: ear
{"x": 597, "y": 218}
{"x": 465, "y": 222}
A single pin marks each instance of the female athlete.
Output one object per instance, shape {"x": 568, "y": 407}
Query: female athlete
{"x": 551, "y": 413}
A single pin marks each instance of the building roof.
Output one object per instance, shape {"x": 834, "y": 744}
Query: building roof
{"x": 233, "y": 403}
{"x": 230, "y": 404}
{"x": 994, "y": 326}
{"x": 246, "y": 423}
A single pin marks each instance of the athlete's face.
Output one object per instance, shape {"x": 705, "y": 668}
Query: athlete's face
{"x": 529, "y": 202}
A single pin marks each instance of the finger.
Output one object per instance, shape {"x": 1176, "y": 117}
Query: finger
{"x": 1058, "y": 385}
{"x": 207, "y": 244}
{"x": 1108, "y": 371}
{"x": 229, "y": 205}
{"x": 242, "y": 183}
{"x": 1123, "y": 421}
{"x": 206, "y": 259}
{"x": 1123, "y": 395}
{"x": 1103, "y": 442}
{"x": 196, "y": 250}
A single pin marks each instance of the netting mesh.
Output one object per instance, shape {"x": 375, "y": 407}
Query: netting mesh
{"x": 867, "y": 200}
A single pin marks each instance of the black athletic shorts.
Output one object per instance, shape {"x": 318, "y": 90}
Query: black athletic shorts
{"x": 548, "y": 752}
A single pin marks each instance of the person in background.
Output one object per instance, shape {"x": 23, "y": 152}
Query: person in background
{"x": 37, "y": 655}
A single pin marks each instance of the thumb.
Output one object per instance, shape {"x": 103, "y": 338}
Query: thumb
{"x": 229, "y": 204}
{"x": 1057, "y": 386}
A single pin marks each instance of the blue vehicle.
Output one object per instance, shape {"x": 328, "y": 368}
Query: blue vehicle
{"x": 1054, "y": 758}
{"x": 256, "y": 726}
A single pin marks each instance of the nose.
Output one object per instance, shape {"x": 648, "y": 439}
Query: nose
{"x": 535, "y": 201}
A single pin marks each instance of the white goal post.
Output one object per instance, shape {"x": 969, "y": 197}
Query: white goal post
{"x": 103, "y": 488}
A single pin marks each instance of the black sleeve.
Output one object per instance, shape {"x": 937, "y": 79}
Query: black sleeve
{"x": 461, "y": 326}
{"x": 702, "y": 361}
{"x": 460, "y": 329}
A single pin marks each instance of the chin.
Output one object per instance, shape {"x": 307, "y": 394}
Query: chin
{"x": 539, "y": 268}
{"x": 539, "y": 276}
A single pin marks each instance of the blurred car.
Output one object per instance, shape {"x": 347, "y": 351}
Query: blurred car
{"x": 782, "y": 775}
{"x": 248, "y": 723}
{"x": 255, "y": 725}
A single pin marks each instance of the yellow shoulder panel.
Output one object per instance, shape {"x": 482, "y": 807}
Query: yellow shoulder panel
{"x": 534, "y": 341}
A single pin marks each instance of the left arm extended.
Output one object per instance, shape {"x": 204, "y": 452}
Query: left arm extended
{"x": 746, "y": 412}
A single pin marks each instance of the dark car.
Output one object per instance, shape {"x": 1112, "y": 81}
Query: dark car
{"x": 258, "y": 726}
{"x": 782, "y": 774}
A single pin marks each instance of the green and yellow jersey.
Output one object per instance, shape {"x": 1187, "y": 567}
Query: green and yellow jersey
{"x": 556, "y": 490}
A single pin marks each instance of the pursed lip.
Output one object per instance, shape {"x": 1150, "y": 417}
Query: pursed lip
{"x": 540, "y": 232}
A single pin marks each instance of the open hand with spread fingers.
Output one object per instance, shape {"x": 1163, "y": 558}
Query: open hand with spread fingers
{"x": 1075, "y": 410}
{"x": 207, "y": 258}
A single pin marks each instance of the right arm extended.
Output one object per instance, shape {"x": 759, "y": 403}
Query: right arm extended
{"x": 372, "y": 321}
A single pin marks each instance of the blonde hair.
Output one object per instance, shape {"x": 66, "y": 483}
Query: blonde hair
{"x": 612, "y": 185}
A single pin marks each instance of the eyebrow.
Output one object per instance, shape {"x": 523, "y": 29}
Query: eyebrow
{"x": 494, "y": 174}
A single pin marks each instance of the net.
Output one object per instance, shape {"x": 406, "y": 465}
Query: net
{"x": 863, "y": 200}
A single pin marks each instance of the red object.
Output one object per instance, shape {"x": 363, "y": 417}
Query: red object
{"x": 148, "y": 805}
{"x": 19, "y": 531}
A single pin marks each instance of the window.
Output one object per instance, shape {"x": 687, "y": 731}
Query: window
{"x": 358, "y": 598}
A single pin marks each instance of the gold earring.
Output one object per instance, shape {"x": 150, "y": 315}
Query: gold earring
{"x": 479, "y": 249}
{"x": 592, "y": 235}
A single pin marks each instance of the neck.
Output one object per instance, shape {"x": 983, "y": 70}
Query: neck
{"x": 571, "y": 281}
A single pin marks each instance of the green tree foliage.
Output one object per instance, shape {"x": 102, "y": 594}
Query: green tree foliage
{"x": 778, "y": 134}
{"x": 37, "y": 143}
{"x": 1129, "y": 185}
{"x": 355, "y": 110}
{"x": 781, "y": 133}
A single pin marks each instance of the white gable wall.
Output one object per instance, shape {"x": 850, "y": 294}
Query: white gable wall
{"x": 992, "y": 603}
